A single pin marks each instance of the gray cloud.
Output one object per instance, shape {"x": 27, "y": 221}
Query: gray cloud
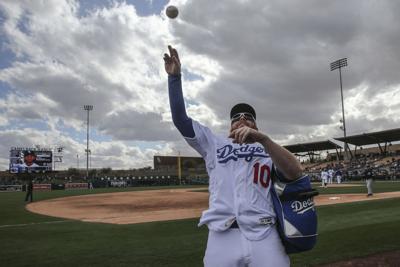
{"x": 130, "y": 124}
{"x": 276, "y": 55}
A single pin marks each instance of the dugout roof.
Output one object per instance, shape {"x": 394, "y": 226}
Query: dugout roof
{"x": 372, "y": 138}
{"x": 313, "y": 146}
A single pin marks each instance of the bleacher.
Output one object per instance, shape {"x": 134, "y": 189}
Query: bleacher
{"x": 373, "y": 149}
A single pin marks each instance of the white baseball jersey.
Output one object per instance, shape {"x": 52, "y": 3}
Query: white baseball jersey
{"x": 239, "y": 186}
{"x": 324, "y": 175}
{"x": 331, "y": 172}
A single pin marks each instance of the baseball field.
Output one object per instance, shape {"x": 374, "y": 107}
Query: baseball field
{"x": 347, "y": 231}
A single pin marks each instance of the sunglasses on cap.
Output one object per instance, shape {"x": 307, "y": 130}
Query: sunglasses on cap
{"x": 246, "y": 115}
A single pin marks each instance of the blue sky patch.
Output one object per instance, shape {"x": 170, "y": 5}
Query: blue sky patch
{"x": 143, "y": 7}
{"x": 6, "y": 56}
{"x": 5, "y": 89}
{"x": 19, "y": 124}
{"x": 191, "y": 76}
{"x": 23, "y": 23}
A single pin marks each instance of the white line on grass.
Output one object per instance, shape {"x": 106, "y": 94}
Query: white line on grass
{"x": 26, "y": 224}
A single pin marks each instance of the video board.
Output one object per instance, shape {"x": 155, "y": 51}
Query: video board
{"x": 26, "y": 160}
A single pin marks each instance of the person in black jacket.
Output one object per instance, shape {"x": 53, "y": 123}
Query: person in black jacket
{"x": 29, "y": 191}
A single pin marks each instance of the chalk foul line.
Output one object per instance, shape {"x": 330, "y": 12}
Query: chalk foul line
{"x": 33, "y": 223}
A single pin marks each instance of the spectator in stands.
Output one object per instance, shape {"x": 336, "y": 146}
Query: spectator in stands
{"x": 369, "y": 179}
{"x": 29, "y": 191}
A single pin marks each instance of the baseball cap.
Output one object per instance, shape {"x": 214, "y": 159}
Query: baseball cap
{"x": 29, "y": 152}
{"x": 243, "y": 108}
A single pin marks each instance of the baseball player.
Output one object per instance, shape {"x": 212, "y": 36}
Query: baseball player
{"x": 330, "y": 175}
{"x": 29, "y": 159}
{"x": 324, "y": 178}
{"x": 369, "y": 179}
{"x": 240, "y": 218}
{"x": 338, "y": 175}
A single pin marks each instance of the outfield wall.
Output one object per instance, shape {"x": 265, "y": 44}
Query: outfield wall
{"x": 10, "y": 188}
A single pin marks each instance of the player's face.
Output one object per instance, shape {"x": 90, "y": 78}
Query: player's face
{"x": 29, "y": 159}
{"x": 243, "y": 119}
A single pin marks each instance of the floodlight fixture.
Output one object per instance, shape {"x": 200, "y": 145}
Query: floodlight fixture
{"x": 88, "y": 108}
{"x": 339, "y": 64}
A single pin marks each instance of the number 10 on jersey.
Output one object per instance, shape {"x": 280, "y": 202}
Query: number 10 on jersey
{"x": 262, "y": 175}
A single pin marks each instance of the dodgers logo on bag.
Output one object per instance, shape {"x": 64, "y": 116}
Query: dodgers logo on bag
{"x": 296, "y": 214}
{"x": 302, "y": 206}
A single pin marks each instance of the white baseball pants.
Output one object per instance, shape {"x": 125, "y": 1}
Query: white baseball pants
{"x": 231, "y": 249}
{"x": 369, "y": 186}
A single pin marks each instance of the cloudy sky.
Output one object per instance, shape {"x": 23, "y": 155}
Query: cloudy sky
{"x": 58, "y": 55}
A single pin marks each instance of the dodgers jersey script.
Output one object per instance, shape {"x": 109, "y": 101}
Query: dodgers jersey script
{"x": 240, "y": 182}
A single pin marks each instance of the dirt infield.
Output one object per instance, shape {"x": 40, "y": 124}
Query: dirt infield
{"x": 153, "y": 205}
{"x": 347, "y": 198}
{"x": 338, "y": 185}
{"x": 126, "y": 207}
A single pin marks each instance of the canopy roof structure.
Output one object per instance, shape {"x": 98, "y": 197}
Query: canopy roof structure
{"x": 372, "y": 138}
{"x": 313, "y": 146}
{"x": 375, "y": 138}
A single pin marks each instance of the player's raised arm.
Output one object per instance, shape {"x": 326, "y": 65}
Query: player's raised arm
{"x": 173, "y": 67}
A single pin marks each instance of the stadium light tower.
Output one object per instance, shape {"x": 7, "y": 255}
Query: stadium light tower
{"x": 179, "y": 168}
{"x": 339, "y": 64}
{"x": 88, "y": 108}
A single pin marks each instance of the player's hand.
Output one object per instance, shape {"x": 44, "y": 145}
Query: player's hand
{"x": 246, "y": 135}
{"x": 172, "y": 62}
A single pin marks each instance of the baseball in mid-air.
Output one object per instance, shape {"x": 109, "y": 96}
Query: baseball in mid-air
{"x": 172, "y": 12}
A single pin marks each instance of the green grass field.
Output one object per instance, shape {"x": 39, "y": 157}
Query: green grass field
{"x": 27, "y": 239}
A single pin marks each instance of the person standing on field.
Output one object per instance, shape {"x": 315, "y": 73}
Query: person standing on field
{"x": 324, "y": 178}
{"x": 240, "y": 218}
{"x": 330, "y": 175}
{"x": 29, "y": 192}
{"x": 338, "y": 175}
{"x": 369, "y": 180}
